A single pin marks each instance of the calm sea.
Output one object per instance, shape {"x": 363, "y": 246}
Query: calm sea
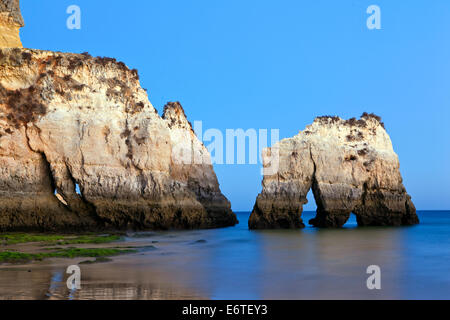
{"x": 235, "y": 263}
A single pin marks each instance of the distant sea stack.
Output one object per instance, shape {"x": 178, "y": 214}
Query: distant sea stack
{"x": 10, "y": 23}
{"x": 350, "y": 165}
{"x": 82, "y": 148}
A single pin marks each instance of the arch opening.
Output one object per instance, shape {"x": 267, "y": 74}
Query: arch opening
{"x": 329, "y": 215}
{"x": 78, "y": 190}
{"x": 310, "y": 208}
{"x": 351, "y": 222}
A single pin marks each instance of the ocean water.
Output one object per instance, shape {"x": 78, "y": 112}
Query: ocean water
{"x": 235, "y": 263}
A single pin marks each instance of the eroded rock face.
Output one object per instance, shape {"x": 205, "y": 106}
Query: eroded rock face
{"x": 350, "y": 166}
{"x": 10, "y": 23}
{"x": 72, "y": 122}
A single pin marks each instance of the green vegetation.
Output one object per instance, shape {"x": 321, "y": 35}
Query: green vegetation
{"x": 62, "y": 246}
{"x": 23, "y": 238}
{"x": 91, "y": 239}
{"x": 19, "y": 257}
{"x": 15, "y": 238}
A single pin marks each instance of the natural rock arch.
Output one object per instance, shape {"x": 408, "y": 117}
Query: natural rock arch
{"x": 350, "y": 166}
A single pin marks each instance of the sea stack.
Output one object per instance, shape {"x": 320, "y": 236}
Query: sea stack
{"x": 82, "y": 148}
{"x": 351, "y": 167}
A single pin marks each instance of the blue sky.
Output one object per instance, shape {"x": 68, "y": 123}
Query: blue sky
{"x": 279, "y": 64}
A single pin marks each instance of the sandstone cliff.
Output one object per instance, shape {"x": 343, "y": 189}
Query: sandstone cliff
{"x": 350, "y": 166}
{"x": 72, "y": 122}
{"x": 10, "y": 23}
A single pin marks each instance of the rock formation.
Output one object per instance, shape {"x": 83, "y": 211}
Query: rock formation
{"x": 10, "y": 23}
{"x": 72, "y": 122}
{"x": 350, "y": 166}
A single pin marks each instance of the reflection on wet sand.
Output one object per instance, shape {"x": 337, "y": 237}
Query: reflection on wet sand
{"x": 102, "y": 281}
{"x": 25, "y": 282}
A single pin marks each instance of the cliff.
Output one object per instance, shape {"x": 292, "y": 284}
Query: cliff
{"x": 81, "y": 147}
{"x": 10, "y": 23}
{"x": 350, "y": 165}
